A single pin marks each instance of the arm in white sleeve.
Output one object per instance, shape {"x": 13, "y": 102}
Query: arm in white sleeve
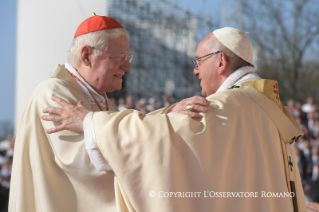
{"x": 91, "y": 148}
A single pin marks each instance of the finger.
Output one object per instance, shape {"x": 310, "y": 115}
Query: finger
{"x": 56, "y": 129}
{"x": 80, "y": 104}
{"x": 312, "y": 206}
{"x": 198, "y": 108}
{"x": 189, "y": 113}
{"x": 60, "y": 101}
{"x": 53, "y": 110}
{"x": 51, "y": 118}
{"x": 193, "y": 114}
{"x": 199, "y": 100}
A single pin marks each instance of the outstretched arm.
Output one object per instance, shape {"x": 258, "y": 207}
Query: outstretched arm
{"x": 71, "y": 117}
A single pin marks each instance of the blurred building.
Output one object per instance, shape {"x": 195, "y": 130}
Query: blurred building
{"x": 163, "y": 40}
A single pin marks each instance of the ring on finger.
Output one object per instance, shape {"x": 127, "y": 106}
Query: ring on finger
{"x": 189, "y": 107}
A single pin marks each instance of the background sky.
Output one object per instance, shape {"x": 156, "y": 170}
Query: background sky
{"x": 8, "y": 18}
{"x": 8, "y": 23}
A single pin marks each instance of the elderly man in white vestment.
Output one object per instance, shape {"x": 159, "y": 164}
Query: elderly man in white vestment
{"x": 53, "y": 172}
{"x": 237, "y": 157}
{"x": 50, "y": 174}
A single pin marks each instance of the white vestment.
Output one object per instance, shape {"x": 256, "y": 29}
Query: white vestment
{"x": 232, "y": 159}
{"x": 53, "y": 173}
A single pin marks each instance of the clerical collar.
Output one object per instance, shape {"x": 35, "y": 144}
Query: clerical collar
{"x": 87, "y": 88}
{"x": 243, "y": 74}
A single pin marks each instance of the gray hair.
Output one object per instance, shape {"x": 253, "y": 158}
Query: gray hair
{"x": 98, "y": 39}
{"x": 214, "y": 45}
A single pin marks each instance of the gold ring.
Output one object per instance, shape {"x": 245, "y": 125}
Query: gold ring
{"x": 189, "y": 107}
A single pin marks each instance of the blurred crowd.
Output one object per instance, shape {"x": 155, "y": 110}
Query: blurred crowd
{"x": 306, "y": 148}
{"x": 142, "y": 104}
{"x": 6, "y": 156}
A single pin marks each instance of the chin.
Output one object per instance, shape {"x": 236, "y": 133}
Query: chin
{"x": 203, "y": 93}
{"x": 117, "y": 88}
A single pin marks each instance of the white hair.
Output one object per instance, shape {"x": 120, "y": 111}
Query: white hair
{"x": 214, "y": 45}
{"x": 98, "y": 39}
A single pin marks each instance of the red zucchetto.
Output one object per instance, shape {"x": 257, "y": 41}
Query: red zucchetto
{"x": 96, "y": 23}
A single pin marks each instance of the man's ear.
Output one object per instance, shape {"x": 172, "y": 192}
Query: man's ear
{"x": 86, "y": 52}
{"x": 223, "y": 63}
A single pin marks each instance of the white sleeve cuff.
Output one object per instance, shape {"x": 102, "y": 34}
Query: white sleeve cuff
{"x": 94, "y": 154}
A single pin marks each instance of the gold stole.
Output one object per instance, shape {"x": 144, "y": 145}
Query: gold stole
{"x": 289, "y": 130}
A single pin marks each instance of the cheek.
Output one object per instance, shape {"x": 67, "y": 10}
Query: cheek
{"x": 206, "y": 75}
{"x": 108, "y": 70}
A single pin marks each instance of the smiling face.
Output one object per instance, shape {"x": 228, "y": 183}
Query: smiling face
{"x": 106, "y": 70}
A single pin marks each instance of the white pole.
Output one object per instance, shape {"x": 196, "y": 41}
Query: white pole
{"x": 45, "y": 30}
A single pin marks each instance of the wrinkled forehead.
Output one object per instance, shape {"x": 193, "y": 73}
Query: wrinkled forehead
{"x": 201, "y": 48}
{"x": 119, "y": 44}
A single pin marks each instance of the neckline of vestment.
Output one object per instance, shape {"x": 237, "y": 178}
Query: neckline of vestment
{"x": 243, "y": 74}
{"x": 90, "y": 93}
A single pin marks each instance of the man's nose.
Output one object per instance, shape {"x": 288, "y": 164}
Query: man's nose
{"x": 126, "y": 66}
{"x": 195, "y": 72}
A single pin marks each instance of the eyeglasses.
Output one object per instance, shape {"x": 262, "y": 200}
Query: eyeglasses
{"x": 120, "y": 58}
{"x": 196, "y": 61}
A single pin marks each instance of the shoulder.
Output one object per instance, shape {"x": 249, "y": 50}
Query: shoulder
{"x": 230, "y": 99}
{"x": 53, "y": 86}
